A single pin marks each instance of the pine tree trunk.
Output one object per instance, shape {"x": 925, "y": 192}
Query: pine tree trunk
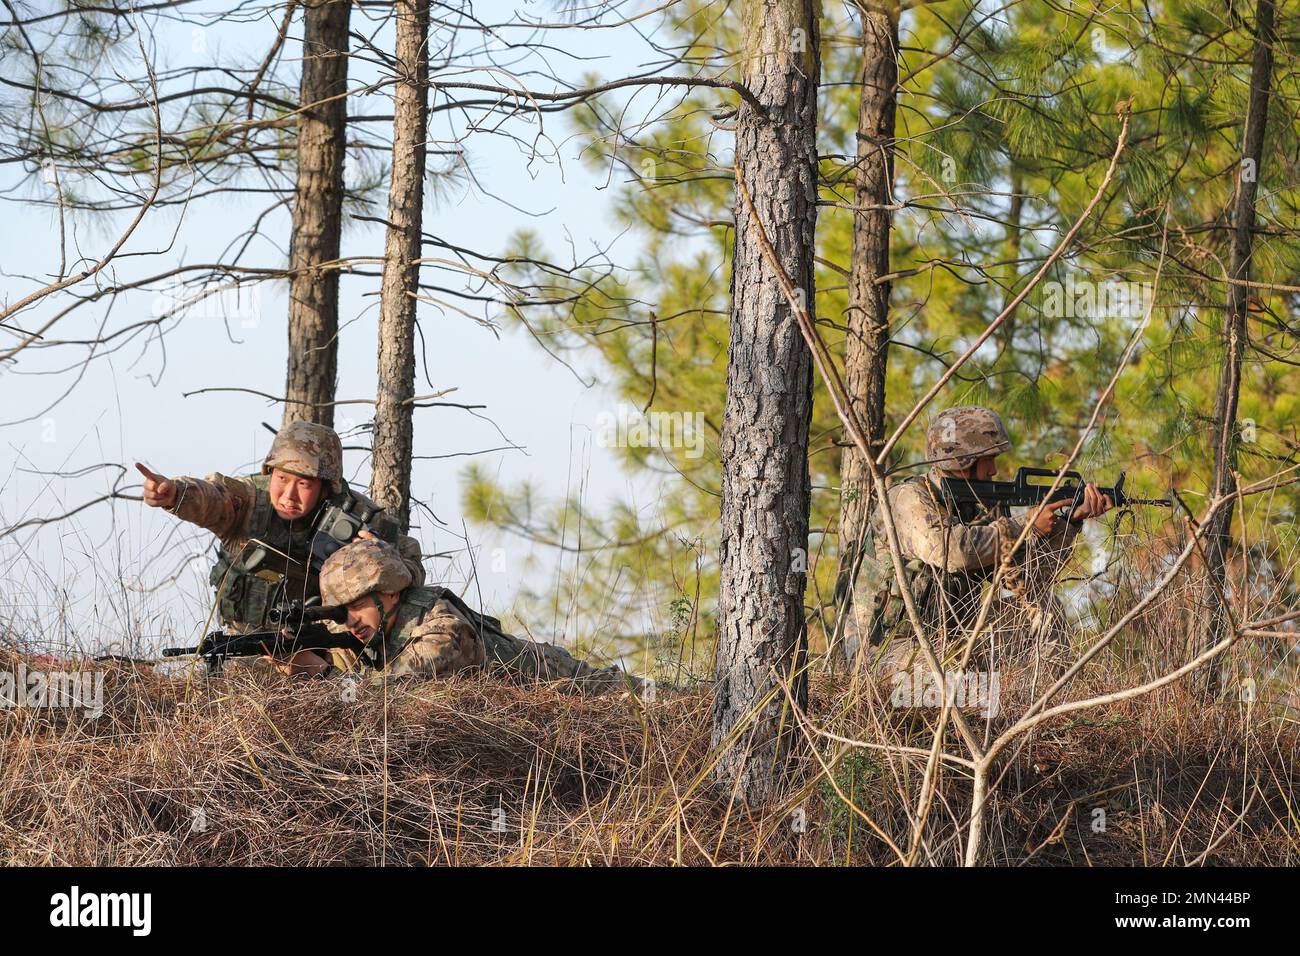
{"x": 762, "y": 638}
{"x": 317, "y": 214}
{"x": 866, "y": 347}
{"x": 390, "y": 482}
{"x": 1218, "y": 540}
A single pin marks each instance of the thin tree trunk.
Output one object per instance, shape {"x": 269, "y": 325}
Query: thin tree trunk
{"x": 762, "y": 638}
{"x": 390, "y": 482}
{"x": 318, "y": 214}
{"x": 866, "y": 348}
{"x": 1219, "y": 538}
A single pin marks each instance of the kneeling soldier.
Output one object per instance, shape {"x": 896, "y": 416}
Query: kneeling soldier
{"x": 952, "y": 550}
{"x": 275, "y": 528}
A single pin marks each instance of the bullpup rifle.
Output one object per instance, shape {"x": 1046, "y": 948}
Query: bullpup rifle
{"x": 1024, "y": 493}
{"x": 297, "y": 627}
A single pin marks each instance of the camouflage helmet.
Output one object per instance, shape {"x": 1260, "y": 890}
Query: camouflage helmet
{"x": 960, "y": 436}
{"x": 309, "y": 450}
{"x": 360, "y": 568}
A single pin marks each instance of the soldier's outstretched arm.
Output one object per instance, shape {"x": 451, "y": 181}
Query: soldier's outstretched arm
{"x": 219, "y": 504}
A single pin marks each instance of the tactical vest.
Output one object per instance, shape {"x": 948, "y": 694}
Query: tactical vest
{"x": 415, "y": 603}
{"x": 882, "y": 615}
{"x": 274, "y": 563}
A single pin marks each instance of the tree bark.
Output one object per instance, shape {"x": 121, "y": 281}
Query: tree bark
{"x": 318, "y": 214}
{"x": 1218, "y": 542}
{"x": 866, "y": 347}
{"x": 762, "y": 637}
{"x": 390, "y": 482}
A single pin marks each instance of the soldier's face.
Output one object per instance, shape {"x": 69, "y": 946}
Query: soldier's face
{"x": 363, "y": 616}
{"x": 984, "y": 469}
{"x": 293, "y": 496}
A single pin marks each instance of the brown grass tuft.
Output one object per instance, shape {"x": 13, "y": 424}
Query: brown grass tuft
{"x": 253, "y": 769}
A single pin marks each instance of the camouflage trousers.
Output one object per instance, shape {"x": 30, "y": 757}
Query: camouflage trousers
{"x": 1014, "y": 637}
{"x": 521, "y": 660}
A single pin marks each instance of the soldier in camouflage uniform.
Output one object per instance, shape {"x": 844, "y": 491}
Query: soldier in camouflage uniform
{"x": 267, "y": 524}
{"x": 952, "y": 549}
{"x": 412, "y": 631}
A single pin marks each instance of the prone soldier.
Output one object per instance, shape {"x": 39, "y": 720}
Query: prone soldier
{"x": 405, "y": 630}
{"x": 275, "y": 529}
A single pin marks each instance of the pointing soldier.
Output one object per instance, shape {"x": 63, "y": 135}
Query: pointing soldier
{"x": 275, "y": 528}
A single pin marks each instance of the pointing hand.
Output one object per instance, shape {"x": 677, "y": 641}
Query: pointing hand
{"x": 159, "y": 492}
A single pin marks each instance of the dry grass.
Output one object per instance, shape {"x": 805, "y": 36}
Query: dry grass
{"x": 1158, "y": 780}
{"x": 473, "y": 771}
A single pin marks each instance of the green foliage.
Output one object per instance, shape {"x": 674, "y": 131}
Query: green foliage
{"x": 1031, "y": 106}
{"x": 857, "y": 776}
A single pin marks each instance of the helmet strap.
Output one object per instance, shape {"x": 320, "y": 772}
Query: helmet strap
{"x": 374, "y": 647}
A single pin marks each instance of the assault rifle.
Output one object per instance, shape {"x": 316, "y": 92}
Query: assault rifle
{"x": 298, "y": 627}
{"x": 1024, "y": 493}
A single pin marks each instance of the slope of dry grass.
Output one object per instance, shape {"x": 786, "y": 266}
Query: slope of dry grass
{"x": 255, "y": 769}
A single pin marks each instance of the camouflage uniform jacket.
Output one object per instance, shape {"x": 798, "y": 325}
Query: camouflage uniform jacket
{"x": 426, "y": 636}
{"x": 951, "y": 549}
{"x": 434, "y": 633}
{"x": 263, "y": 558}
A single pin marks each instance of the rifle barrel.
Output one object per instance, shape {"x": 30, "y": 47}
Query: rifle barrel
{"x": 1023, "y": 493}
{"x": 258, "y": 643}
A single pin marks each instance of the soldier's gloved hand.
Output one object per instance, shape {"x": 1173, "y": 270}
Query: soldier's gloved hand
{"x": 159, "y": 492}
{"x": 1095, "y": 504}
{"x": 1046, "y": 518}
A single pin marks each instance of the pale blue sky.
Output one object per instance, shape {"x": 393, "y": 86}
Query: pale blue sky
{"x": 130, "y": 406}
